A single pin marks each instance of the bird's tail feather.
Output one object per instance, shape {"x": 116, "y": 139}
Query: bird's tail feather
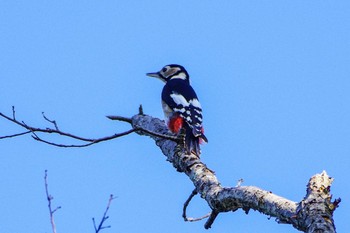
{"x": 192, "y": 142}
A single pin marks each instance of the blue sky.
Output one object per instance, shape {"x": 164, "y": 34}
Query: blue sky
{"x": 272, "y": 78}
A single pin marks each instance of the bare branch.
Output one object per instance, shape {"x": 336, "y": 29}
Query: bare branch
{"x": 49, "y": 199}
{"x": 187, "y": 202}
{"x": 140, "y": 110}
{"x": 239, "y": 183}
{"x": 51, "y": 121}
{"x": 90, "y": 141}
{"x": 35, "y": 131}
{"x": 93, "y": 141}
{"x": 141, "y": 129}
{"x": 313, "y": 213}
{"x": 104, "y": 217}
{"x": 120, "y": 118}
{"x": 211, "y": 219}
{"x": 226, "y": 199}
{"x": 15, "y": 135}
{"x": 13, "y": 113}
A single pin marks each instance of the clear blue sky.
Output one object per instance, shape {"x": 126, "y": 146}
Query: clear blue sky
{"x": 272, "y": 77}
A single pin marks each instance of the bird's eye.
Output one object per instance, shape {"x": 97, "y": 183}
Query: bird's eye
{"x": 164, "y": 69}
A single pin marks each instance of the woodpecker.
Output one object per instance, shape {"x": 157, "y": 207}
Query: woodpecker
{"x": 181, "y": 106}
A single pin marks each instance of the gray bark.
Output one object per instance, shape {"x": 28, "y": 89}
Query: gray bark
{"x": 313, "y": 214}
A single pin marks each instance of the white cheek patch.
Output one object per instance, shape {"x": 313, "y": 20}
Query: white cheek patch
{"x": 181, "y": 75}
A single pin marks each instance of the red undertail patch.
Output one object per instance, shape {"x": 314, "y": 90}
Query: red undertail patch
{"x": 175, "y": 124}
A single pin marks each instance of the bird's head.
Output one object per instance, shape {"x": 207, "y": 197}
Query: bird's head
{"x": 171, "y": 72}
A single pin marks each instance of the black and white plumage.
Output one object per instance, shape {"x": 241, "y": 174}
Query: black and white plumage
{"x": 181, "y": 105}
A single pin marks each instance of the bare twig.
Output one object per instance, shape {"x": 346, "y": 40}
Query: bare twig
{"x": 129, "y": 120}
{"x": 90, "y": 141}
{"x": 49, "y": 199}
{"x": 120, "y": 118}
{"x": 15, "y": 135}
{"x": 13, "y": 113}
{"x": 35, "y": 130}
{"x": 104, "y": 217}
{"x": 187, "y": 202}
{"x": 140, "y": 110}
{"x": 51, "y": 121}
{"x": 240, "y": 181}
{"x": 93, "y": 141}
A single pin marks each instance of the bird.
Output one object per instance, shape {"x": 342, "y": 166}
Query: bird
{"x": 181, "y": 106}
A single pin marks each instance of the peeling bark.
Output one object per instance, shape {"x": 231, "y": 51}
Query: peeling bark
{"x": 313, "y": 214}
{"x": 315, "y": 211}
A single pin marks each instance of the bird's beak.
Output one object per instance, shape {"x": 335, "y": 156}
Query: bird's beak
{"x": 154, "y": 75}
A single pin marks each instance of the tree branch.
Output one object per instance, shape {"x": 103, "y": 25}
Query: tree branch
{"x": 104, "y": 217}
{"x": 31, "y": 129}
{"x": 51, "y": 121}
{"x": 15, "y": 135}
{"x": 49, "y": 199}
{"x": 90, "y": 141}
{"x": 187, "y": 202}
{"x": 224, "y": 199}
{"x": 93, "y": 141}
{"x": 313, "y": 214}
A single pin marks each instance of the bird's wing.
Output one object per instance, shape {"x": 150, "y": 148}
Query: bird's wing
{"x": 183, "y": 100}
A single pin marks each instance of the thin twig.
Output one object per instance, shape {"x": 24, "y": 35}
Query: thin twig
{"x": 104, "y": 217}
{"x": 141, "y": 110}
{"x": 15, "y": 135}
{"x": 49, "y": 199}
{"x": 49, "y": 130}
{"x": 13, "y": 113}
{"x": 187, "y": 202}
{"x": 90, "y": 141}
{"x": 239, "y": 183}
{"x": 120, "y": 118}
{"x": 129, "y": 120}
{"x": 51, "y": 121}
{"x": 35, "y": 130}
{"x": 94, "y": 141}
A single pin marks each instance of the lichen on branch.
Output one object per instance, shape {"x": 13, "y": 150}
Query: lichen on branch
{"x": 314, "y": 213}
{"x": 306, "y": 215}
